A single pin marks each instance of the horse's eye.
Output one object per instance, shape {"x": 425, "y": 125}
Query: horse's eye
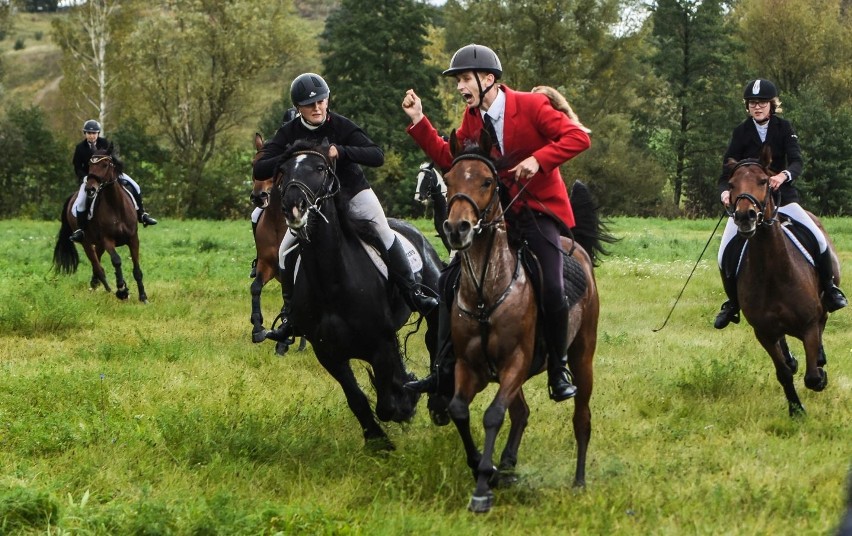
{"x": 487, "y": 184}
{"x": 762, "y": 181}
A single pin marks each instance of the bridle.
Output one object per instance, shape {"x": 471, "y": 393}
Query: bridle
{"x": 329, "y": 187}
{"x": 102, "y": 182}
{"x": 761, "y": 207}
{"x": 482, "y": 215}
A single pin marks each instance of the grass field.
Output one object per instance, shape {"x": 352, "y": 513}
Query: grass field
{"x": 123, "y": 418}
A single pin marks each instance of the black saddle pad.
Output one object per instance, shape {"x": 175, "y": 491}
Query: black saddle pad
{"x": 573, "y": 277}
{"x": 803, "y": 235}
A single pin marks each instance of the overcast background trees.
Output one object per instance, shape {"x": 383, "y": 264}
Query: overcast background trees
{"x": 182, "y": 85}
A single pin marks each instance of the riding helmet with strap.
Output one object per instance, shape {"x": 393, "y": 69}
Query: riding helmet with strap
{"x": 308, "y": 88}
{"x": 91, "y": 126}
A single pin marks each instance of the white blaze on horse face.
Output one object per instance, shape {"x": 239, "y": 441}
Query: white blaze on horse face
{"x": 297, "y": 219}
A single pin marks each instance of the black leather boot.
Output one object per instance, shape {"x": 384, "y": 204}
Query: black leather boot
{"x": 442, "y": 375}
{"x": 559, "y": 384}
{"x": 285, "y": 332}
{"x": 144, "y": 218}
{"x": 80, "y": 232}
{"x": 832, "y": 297}
{"x": 253, "y": 273}
{"x": 400, "y": 272}
{"x": 730, "y": 311}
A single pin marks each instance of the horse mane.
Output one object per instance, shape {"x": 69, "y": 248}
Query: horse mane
{"x": 112, "y": 152}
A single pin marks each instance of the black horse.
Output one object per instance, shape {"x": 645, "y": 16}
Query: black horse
{"x": 342, "y": 303}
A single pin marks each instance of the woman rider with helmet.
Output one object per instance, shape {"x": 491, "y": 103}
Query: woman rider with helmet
{"x": 538, "y": 139}
{"x": 764, "y": 127}
{"x": 82, "y": 154}
{"x": 351, "y": 148}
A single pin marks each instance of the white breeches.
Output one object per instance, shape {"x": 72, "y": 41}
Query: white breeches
{"x": 366, "y": 206}
{"x": 255, "y": 214}
{"x": 794, "y": 211}
{"x": 80, "y": 202}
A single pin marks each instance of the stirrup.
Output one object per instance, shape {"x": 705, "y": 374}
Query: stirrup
{"x": 284, "y": 332}
{"x": 429, "y": 384}
{"x": 833, "y": 299}
{"x": 147, "y": 220}
{"x": 421, "y": 302}
{"x": 77, "y": 236}
{"x": 561, "y": 388}
{"x": 729, "y": 313}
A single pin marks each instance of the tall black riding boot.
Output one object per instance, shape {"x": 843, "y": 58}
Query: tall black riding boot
{"x": 253, "y": 273}
{"x": 80, "y": 232}
{"x": 443, "y": 371}
{"x": 730, "y": 311}
{"x": 832, "y": 297}
{"x": 144, "y": 218}
{"x": 285, "y": 331}
{"x": 399, "y": 270}
{"x": 559, "y": 382}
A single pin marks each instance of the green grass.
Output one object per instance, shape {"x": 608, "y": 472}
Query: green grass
{"x": 123, "y": 418}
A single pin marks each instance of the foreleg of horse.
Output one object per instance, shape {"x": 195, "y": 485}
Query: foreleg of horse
{"x": 486, "y": 473}
{"x": 782, "y": 373}
{"x": 121, "y": 290}
{"x": 374, "y": 435}
{"x": 137, "y": 269}
{"x": 816, "y": 378}
{"x": 98, "y": 273}
{"x": 258, "y": 332}
{"x": 788, "y": 355}
{"x": 459, "y": 409}
{"x": 519, "y": 413}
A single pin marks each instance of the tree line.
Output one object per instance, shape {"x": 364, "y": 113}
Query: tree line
{"x": 177, "y": 82}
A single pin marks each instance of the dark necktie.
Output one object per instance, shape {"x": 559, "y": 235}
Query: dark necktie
{"x": 92, "y": 147}
{"x": 489, "y": 127}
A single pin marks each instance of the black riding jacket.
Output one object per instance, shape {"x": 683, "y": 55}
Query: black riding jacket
{"x": 355, "y": 149}
{"x": 786, "y": 154}
{"x": 82, "y": 155}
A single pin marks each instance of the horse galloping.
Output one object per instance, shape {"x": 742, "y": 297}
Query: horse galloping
{"x": 112, "y": 224}
{"x": 342, "y": 303}
{"x": 778, "y": 289}
{"x": 494, "y": 319}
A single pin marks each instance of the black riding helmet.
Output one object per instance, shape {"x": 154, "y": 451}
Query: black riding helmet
{"x": 760, "y": 89}
{"x": 91, "y": 126}
{"x": 308, "y": 88}
{"x": 476, "y": 58}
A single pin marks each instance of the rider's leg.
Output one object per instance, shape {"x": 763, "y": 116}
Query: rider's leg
{"x": 287, "y": 264}
{"x": 255, "y": 217}
{"x": 730, "y": 311}
{"x": 143, "y": 216}
{"x": 832, "y": 297}
{"x": 542, "y": 236}
{"x": 365, "y": 205}
{"x": 80, "y": 212}
{"x": 442, "y": 373}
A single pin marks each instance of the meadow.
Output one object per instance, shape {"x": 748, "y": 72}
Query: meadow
{"x": 123, "y": 418}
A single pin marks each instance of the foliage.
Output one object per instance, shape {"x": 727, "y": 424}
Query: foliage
{"x": 35, "y": 171}
{"x": 199, "y": 59}
{"x": 369, "y": 63}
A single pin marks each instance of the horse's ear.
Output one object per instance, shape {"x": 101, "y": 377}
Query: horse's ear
{"x": 766, "y": 155}
{"x": 455, "y": 147}
{"x": 729, "y": 165}
{"x": 258, "y": 141}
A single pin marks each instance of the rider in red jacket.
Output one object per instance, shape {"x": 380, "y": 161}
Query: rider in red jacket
{"x": 536, "y": 138}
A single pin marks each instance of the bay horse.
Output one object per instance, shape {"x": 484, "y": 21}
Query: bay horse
{"x": 342, "y": 303}
{"x": 778, "y": 289}
{"x": 112, "y": 224}
{"x": 494, "y": 317}
{"x": 267, "y": 238}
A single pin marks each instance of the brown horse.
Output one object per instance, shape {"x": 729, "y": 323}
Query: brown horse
{"x": 777, "y": 288}
{"x": 494, "y": 320}
{"x": 113, "y": 224}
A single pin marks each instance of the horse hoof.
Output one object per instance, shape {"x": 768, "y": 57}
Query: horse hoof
{"x": 818, "y": 383}
{"x": 281, "y": 348}
{"x": 796, "y": 410}
{"x": 439, "y": 417}
{"x": 481, "y": 504}
{"x": 259, "y": 336}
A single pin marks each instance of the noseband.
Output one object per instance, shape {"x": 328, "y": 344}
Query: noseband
{"x": 760, "y": 206}
{"x": 482, "y": 215}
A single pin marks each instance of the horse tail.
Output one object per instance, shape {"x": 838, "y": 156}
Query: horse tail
{"x": 65, "y": 256}
{"x": 589, "y": 231}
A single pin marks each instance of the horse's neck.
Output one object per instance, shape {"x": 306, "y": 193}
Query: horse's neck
{"x": 114, "y": 195}
{"x": 324, "y": 256}
{"x": 769, "y": 254}
{"x": 496, "y": 254}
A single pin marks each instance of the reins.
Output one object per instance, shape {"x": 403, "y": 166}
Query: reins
{"x": 314, "y": 198}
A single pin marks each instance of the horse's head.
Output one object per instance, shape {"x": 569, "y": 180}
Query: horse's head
{"x": 104, "y": 168}
{"x": 429, "y": 183}
{"x": 472, "y": 190}
{"x": 307, "y": 180}
{"x": 261, "y": 186}
{"x": 751, "y": 197}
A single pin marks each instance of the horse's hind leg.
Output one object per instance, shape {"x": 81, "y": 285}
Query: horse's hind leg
{"x": 258, "y": 332}
{"x": 782, "y": 373}
{"x": 789, "y": 358}
{"x": 816, "y": 378}
{"x": 137, "y": 269}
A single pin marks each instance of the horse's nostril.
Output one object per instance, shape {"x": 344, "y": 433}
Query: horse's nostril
{"x": 465, "y": 227}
